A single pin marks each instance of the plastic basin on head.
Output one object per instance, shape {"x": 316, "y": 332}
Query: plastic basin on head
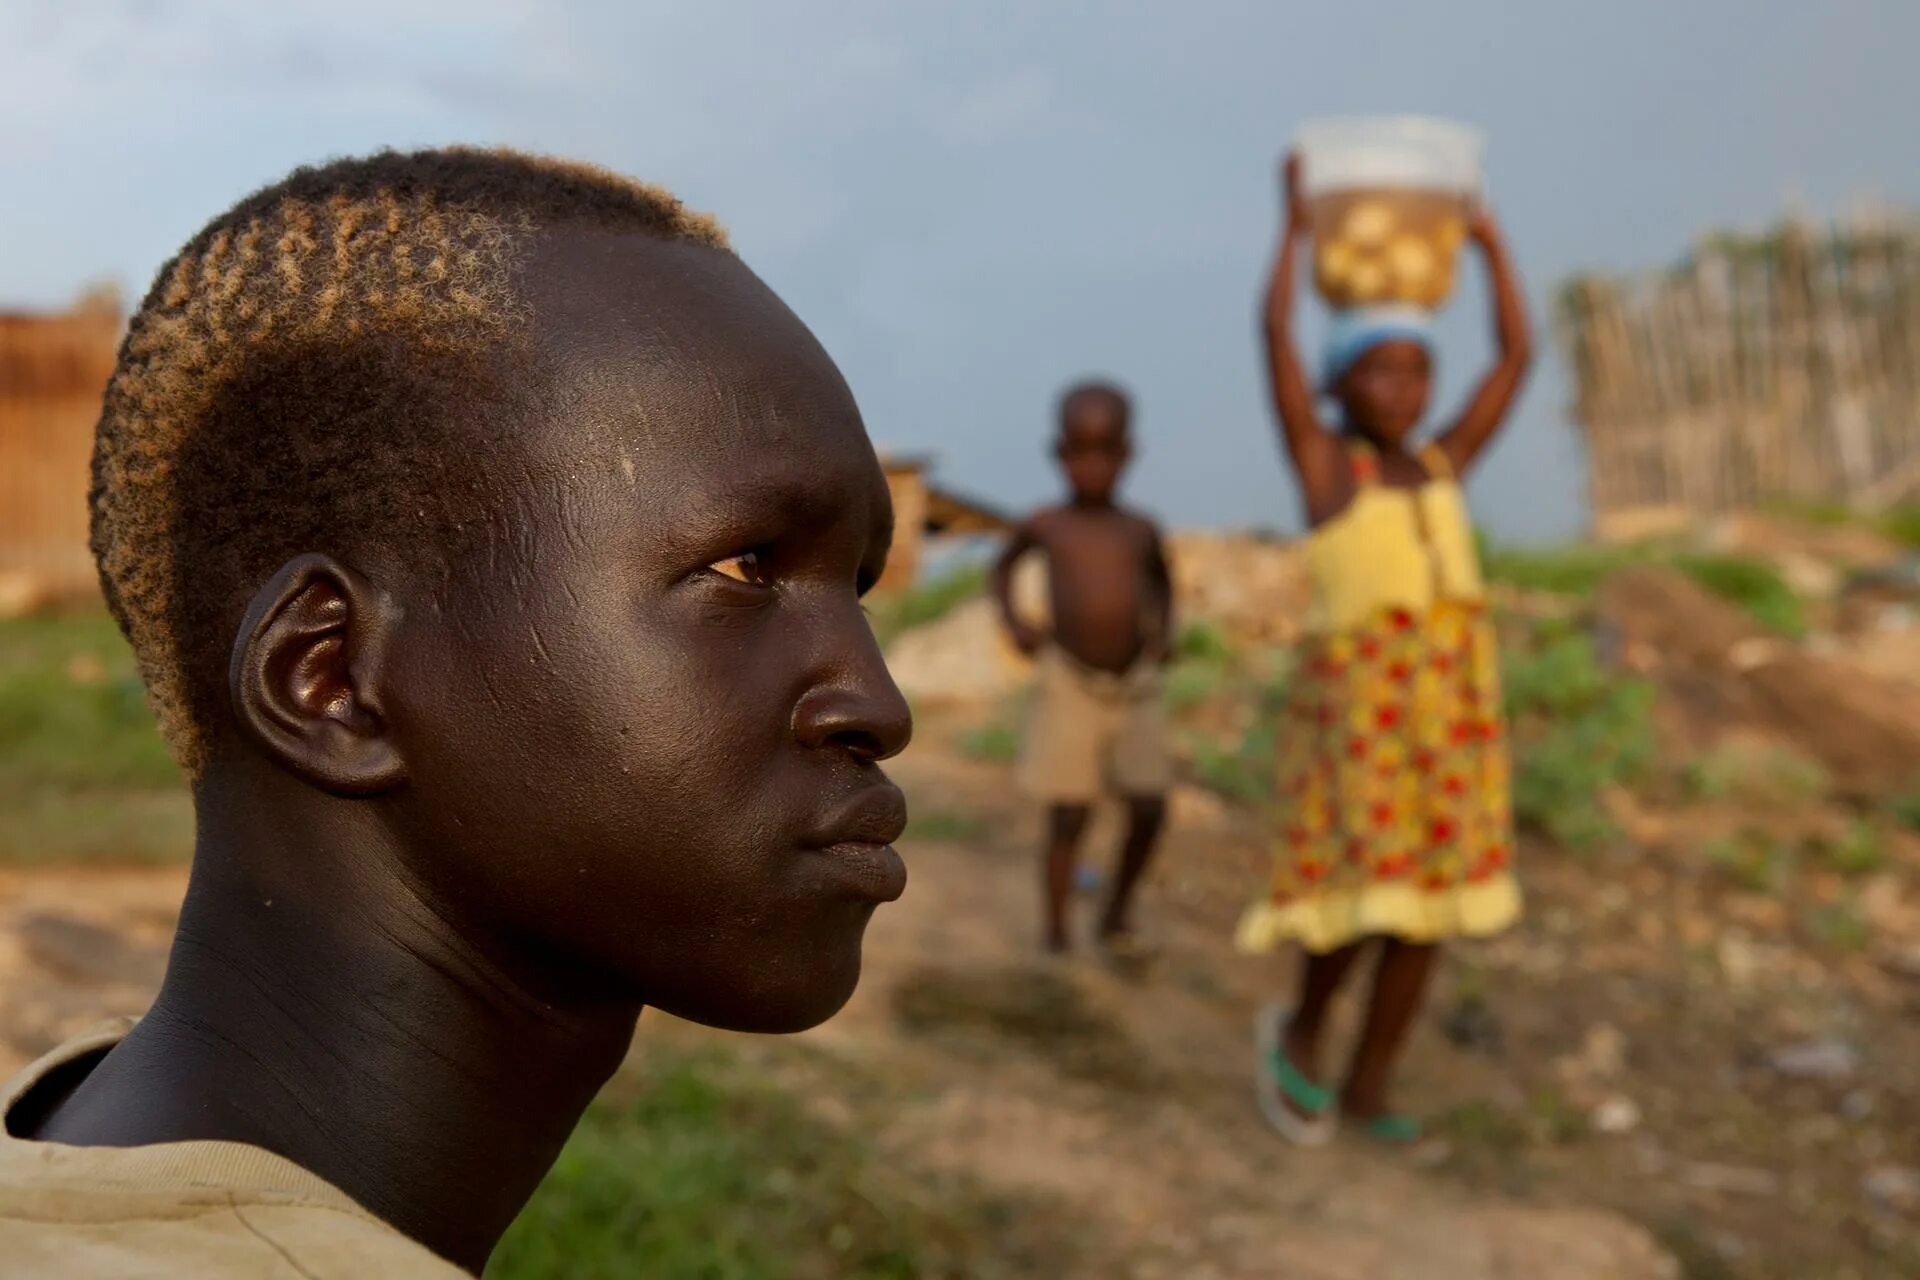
{"x": 1388, "y": 198}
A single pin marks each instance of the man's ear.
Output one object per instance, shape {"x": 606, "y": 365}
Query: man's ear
{"x": 306, "y": 677}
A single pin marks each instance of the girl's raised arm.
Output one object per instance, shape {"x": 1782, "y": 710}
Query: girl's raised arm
{"x": 1487, "y": 409}
{"x": 1316, "y": 456}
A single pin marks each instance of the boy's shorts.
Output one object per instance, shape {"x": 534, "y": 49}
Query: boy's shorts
{"x": 1092, "y": 733}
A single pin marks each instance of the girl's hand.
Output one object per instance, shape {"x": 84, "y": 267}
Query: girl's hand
{"x": 1482, "y": 229}
{"x": 1291, "y": 191}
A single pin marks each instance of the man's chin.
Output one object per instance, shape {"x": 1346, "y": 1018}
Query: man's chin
{"x": 779, "y": 1001}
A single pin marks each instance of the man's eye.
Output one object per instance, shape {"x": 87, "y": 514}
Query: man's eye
{"x": 746, "y": 567}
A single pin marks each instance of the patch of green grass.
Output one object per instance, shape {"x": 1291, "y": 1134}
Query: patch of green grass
{"x": 1190, "y": 683}
{"x": 1838, "y": 925}
{"x": 1578, "y": 730}
{"x": 699, "y": 1171}
{"x": 925, "y": 602}
{"x": 1905, "y": 810}
{"x": 72, "y": 710}
{"x": 1578, "y": 571}
{"x": 1754, "y": 585}
{"x": 946, "y": 826}
{"x": 1568, "y": 571}
{"x": 1902, "y": 524}
{"x": 1861, "y": 851}
{"x": 997, "y": 741}
{"x": 1553, "y": 1119}
{"x": 1041, "y": 1011}
{"x": 1202, "y": 641}
{"x": 1242, "y": 770}
{"x": 1773, "y": 776}
{"x": 1481, "y": 1131}
{"x": 1276, "y": 680}
{"x": 1830, "y": 515}
{"x": 84, "y": 775}
{"x": 1753, "y": 860}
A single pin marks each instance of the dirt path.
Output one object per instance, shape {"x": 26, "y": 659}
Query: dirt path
{"x": 1126, "y": 1096}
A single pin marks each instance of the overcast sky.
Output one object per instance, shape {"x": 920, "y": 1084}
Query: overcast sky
{"x": 974, "y": 202}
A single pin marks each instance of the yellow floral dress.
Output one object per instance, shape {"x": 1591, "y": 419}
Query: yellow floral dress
{"x": 1394, "y": 812}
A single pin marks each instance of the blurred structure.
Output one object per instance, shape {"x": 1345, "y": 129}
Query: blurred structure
{"x": 922, "y": 509}
{"x": 1782, "y": 368}
{"x": 53, "y": 368}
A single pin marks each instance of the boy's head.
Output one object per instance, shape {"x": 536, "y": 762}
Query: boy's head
{"x": 489, "y": 508}
{"x": 1379, "y": 367}
{"x": 1094, "y": 444}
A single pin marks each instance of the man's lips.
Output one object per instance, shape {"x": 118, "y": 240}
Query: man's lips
{"x": 876, "y": 816}
{"x": 857, "y": 843}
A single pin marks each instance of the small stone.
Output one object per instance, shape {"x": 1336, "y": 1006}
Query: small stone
{"x": 1604, "y": 1051}
{"x": 1617, "y": 1115}
{"x": 1893, "y": 1187}
{"x": 1857, "y": 1105}
{"x": 1737, "y": 960}
{"x": 1828, "y": 1060}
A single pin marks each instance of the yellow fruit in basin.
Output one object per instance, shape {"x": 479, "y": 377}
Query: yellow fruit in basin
{"x": 1413, "y": 262}
{"x": 1368, "y": 223}
{"x": 1369, "y": 281}
{"x": 1335, "y": 261}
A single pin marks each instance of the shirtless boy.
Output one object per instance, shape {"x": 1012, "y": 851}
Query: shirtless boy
{"x": 1097, "y": 726}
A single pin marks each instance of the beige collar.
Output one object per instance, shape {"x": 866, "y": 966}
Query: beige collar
{"x": 234, "y": 1168}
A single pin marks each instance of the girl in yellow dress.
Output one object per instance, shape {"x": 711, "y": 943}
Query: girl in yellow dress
{"x": 1392, "y": 829}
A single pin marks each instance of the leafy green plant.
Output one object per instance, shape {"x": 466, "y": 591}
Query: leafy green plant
{"x": 1190, "y": 683}
{"x": 1860, "y": 851}
{"x": 1753, "y": 860}
{"x": 1578, "y": 730}
{"x": 1905, "y": 810}
{"x": 1202, "y": 641}
{"x": 1241, "y": 770}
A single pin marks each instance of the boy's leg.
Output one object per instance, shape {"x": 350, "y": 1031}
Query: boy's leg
{"x": 1146, "y": 815}
{"x": 1060, "y": 766}
{"x": 1066, "y": 823}
{"x": 1399, "y": 985}
{"x": 1321, "y": 977}
{"x": 1142, "y": 770}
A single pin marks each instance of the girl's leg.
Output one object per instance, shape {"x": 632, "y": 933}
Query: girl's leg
{"x": 1320, "y": 979}
{"x": 1399, "y": 986}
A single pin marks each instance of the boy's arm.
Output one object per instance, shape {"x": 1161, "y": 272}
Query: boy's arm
{"x": 1316, "y": 457}
{"x": 1026, "y": 637}
{"x": 1160, "y": 591}
{"x": 1464, "y": 441}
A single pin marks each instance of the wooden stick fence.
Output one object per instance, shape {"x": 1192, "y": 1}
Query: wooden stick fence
{"x": 1782, "y": 369}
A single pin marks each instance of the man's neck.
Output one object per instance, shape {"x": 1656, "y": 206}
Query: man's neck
{"x": 320, "y": 1007}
